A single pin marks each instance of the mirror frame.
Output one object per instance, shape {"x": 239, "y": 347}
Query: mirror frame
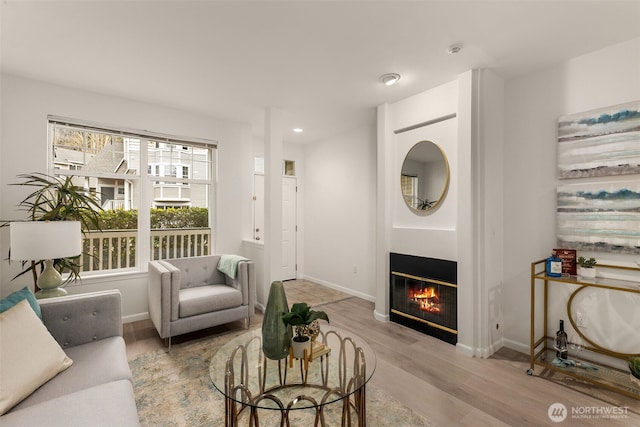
{"x": 445, "y": 188}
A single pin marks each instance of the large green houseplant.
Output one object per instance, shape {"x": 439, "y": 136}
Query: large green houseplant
{"x": 58, "y": 199}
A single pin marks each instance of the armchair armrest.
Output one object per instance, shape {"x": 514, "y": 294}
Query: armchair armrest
{"x": 164, "y": 287}
{"x": 79, "y": 319}
{"x": 245, "y": 282}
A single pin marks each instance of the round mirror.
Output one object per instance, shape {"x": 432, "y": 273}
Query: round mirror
{"x": 425, "y": 177}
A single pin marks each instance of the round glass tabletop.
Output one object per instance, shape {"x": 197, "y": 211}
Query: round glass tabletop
{"x": 340, "y": 366}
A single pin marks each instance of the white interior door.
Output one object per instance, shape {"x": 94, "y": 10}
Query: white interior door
{"x": 258, "y": 207}
{"x": 289, "y": 191}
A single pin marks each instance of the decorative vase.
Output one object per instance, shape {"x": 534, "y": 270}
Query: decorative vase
{"x": 300, "y": 343}
{"x": 276, "y": 335}
{"x": 311, "y": 330}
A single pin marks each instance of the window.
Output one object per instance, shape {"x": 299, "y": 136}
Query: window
{"x": 409, "y": 185}
{"x": 153, "y": 188}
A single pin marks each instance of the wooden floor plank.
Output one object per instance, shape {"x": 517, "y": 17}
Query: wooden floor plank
{"x": 437, "y": 380}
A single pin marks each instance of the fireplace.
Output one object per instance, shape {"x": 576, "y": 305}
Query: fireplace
{"x": 424, "y": 295}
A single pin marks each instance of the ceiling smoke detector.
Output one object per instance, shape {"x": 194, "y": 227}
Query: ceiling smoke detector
{"x": 454, "y": 48}
{"x": 390, "y": 78}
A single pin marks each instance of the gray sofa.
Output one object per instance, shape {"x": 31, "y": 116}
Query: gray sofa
{"x": 190, "y": 294}
{"x": 97, "y": 389}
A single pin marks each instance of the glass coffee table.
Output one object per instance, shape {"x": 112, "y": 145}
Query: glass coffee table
{"x": 327, "y": 390}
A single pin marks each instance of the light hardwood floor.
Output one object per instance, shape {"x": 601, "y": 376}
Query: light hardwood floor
{"x": 434, "y": 378}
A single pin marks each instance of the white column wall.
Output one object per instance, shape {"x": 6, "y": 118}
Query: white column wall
{"x": 466, "y": 226}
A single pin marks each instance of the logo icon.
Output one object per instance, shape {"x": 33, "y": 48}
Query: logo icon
{"x": 557, "y": 412}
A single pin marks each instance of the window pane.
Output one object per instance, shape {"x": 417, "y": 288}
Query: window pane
{"x": 114, "y": 246}
{"x": 179, "y": 203}
{"x": 180, "y": 225}
{"x": 93, "y": 152}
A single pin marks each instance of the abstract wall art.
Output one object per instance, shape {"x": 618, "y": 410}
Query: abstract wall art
{"x": 601, "y": 142}
{"x": 601, "y": 217}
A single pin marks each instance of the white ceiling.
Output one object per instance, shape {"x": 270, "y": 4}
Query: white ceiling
{"x": 319, "y": 61}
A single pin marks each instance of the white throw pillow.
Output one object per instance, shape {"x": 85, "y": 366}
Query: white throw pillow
{"x": 29, "y": 356}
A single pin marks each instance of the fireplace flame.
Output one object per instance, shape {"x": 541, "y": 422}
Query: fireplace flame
{"x": 427, "y": 299}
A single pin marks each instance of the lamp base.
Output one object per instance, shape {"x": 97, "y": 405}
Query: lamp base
{"x": 49, "y": 282}
{"x": 50, "y": 293}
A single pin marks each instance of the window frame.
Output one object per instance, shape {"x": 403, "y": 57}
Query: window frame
{"x": 143, "y": 179}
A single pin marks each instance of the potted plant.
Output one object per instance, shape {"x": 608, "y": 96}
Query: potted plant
{"x": 586, "y": 267}
{"x": 58, "y": 199}
{"x": 634, "y": 367}
{"x": 300, "y": 316}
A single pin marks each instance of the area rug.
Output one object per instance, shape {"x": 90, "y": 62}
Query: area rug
{"x": 173, "y": 389}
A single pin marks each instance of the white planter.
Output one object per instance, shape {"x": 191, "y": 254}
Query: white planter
{"x": 300, "y": 346}
{"x": 588, "y": 273}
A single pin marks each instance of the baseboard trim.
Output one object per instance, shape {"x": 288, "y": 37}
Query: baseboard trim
{"x": 381, "y": 317}
{"x": 517, "y": 346}
{"x": 481, "y": 352}
{"x": 364, "y": 296}
{"x": 135, "y": 317}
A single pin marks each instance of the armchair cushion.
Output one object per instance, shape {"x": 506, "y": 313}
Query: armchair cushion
{"x": 205, "y": 299}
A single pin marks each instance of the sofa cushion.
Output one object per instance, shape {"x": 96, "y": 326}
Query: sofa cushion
{"x": 16, "y": 297}
{"x": 29, "y": 356}
{"x": 206, "y": 299}
{"x": 95, "y": 363}
{"x": 105, "y": 405}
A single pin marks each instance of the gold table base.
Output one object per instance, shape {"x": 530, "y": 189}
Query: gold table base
{"x": 348, "y": 390}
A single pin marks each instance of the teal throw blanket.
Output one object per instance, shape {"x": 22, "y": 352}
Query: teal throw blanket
{"x": 228, "y": 264}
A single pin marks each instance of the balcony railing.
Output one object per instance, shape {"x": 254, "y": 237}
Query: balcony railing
{"x": 115, "y": 249}
{"x": 113, "y": 205}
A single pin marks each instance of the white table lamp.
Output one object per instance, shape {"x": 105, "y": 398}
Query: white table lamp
{"x": 46, "y": 240}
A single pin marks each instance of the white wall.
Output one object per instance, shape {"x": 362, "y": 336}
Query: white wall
{"x": 490, "y": 250}
{"x": 339, "y": 212}
{"x": 25, "y": 106}
{"x": 533, "y": 104}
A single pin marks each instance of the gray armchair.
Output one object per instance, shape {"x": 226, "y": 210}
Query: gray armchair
{"x": 189, "y": 294}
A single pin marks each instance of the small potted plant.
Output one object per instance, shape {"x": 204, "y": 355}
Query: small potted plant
{"x": 300, "y": 316}
{"x": 586, "y": 267}
{"x": 634, "y": 367}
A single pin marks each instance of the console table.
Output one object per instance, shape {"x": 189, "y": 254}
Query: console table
{"x": 327, "y": 390}
{"x": 541, "y": 347}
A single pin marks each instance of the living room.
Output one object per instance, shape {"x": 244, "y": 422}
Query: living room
{"x": 504, "y": 208}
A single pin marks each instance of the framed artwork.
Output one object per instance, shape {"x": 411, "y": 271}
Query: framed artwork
{"x": 601, "y": 142}
{"x": 601, "y": 217}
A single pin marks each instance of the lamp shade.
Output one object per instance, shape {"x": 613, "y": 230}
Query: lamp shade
{"x": 43, "y": 240}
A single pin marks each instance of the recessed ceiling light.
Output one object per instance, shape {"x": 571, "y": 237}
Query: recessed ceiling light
{"x": 390, "y": 78}
{"x": 297, "y": 130}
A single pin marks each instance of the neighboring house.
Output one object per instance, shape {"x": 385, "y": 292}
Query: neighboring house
{"x": 122, "y": 157}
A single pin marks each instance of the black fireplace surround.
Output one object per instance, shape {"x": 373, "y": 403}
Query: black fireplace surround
{"x": 424, "y": 295}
